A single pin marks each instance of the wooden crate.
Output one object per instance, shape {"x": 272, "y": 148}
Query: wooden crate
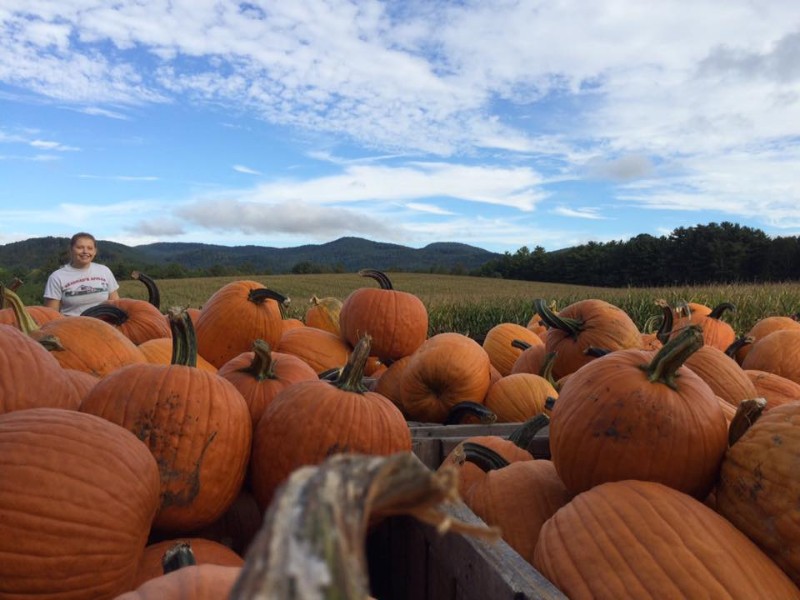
{"x": 409, "y": 560}
{"x": 432, "y": 442}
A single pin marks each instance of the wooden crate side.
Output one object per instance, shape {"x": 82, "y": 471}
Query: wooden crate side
{"x": 425, "y": 565}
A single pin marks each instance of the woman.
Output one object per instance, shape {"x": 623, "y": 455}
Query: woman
{"x": 81, "y": 283}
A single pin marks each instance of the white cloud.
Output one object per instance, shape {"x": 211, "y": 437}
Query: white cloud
{"x": 428, "y": 208}
{"x": 245, "y": 170}
{"x": 580, "y": 213}
{"x": 50, "y": 145}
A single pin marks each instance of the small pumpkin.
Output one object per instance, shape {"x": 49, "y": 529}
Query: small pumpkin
{"x": 498, "y": 344}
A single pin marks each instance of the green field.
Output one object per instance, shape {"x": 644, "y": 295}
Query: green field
{"x": 472, "y": 305}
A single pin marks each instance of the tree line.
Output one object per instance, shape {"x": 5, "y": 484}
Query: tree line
{"x": 717, "y": 253}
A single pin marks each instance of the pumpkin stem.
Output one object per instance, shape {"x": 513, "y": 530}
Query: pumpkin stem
{"x": 520, "y": 344}
{"x": 547, "y": 368}
{"x": 184, "y": 338}
{"x": 461, "y": 410}
{"x": 747, "y": 413}
{"x": 667, "y": 322}
{"x": 481, "y": 456}
{"x": 571, "y": 327}
{"x": 153, "y": 293}
{"x": 261, "y": 295}
{"x": 24, "y": 319}
{"x": 738, "y": 344}
{"x": 664, "y": 366}
{"x": 178, "y": 556}
{"x": 720, "y": 308}
{"x": 351, "y": 378}
{"x": 524, "y": 435}
{"x": 109, "y": 313}
{"x": 262, "y": 367}
{"x": 379, "y": 276}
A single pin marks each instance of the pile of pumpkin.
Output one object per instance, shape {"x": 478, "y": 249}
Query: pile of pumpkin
{"x": 125, "y": 430}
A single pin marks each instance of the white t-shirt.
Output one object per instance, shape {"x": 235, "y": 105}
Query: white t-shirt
{"x": 79, "y": 289}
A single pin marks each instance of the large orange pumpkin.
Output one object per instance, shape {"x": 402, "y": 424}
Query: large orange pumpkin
{"x": 195, "y": 423}
{"x": 641, "y": 539}
{"x": 311, "y": 420}
{"x": 235, "y": 316}
{"x": 77, "y": 497}
{"x": 138, "y": 320}
{"x": 396, "y": 321}
{"x": 634, "y": 415}
{"x": 777, "y": 352}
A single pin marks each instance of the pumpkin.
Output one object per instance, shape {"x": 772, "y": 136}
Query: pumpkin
{"x": 260, "y": 374}
{"x": 777, "y": 352}
{"x": 159, "y": 352}
{"x": 634, "y": 415}
{"x": 774, "y": 388}
{"x": 759, "y": 491}
{"x": 195, "y": 423}
{"x": 642, "y": 539}
{"x": 763, "y": 327}
{"x": 324, "y": 314}
{"x": 32, "y": 377}
{"x": 511, "y": 489}
{"x": 582, "y": 325}
{"x": 390, "y": 383}
{"x": 138, "y": 320}
{"x": 321, "y": 350}
{"x": 8, "y": 315}
{"x": 722, "y": 373}
{"x": 716, "y": 332}
{"x": 502, "y": 352}
{"x": 311, "y": 420}
{"x": 396, "y": 321}
{"x": 203, "y": 552}
{"x": 447, "y": 369}
{"x": 77, "y": 498}
{"x": 518, "y": 397}
{"x": 235, "y": 316}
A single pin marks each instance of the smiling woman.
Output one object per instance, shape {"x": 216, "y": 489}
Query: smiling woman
{"x": 81, "y": 283}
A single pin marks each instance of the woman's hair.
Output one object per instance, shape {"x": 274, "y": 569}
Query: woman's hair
{"x": 81, "y": 234}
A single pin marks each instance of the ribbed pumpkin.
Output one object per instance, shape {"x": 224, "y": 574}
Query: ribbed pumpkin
{"x": 641, "y": 539}
{"x": 759, "y": 488}
{"x": 319, "y": 349}
{"x": 498, "y": 344}
{"x": 77, "y": 497}
{"x": 311, "y": 420}
{"x": 518, "y": 397}
{"x": 518, "y": 497}
{"x": 158, "y": 351}
{"x": 634, "y": 415}
{"x": 716, "y": 332}
{"x": 390, "y": 383}
{"x": 195, "y": 423}
{"x": 582, "y": 325}
{"x": 396, "y": 321}
{"x": 777, "y": 352}
{"x": 722, "y": 373}
{"x": 323, "y": 313}
{"x": 137, "y": 320}
{"x": 195, "y": 582}
{"x": 235, "y": 316}
{"x": 531, "y": 359}
{"x": 31, "y": 376}
{"x": 260, "y": 374}
{"x": 203, "y": 552}
{"x": 774, "y": 388}
{"x": 447, "y": 369}
{"x": 764, "y": 327}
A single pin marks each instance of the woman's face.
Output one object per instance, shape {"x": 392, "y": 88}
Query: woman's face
{"x": 82, "y": 253}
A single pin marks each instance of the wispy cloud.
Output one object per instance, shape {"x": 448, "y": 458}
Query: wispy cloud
{"x": 245, "y": 170}
{"x": 50, "y": 145}
{"x": 580, "y": 213}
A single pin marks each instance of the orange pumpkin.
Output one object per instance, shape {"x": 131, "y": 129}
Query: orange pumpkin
{"x": 763, "y": 327}
{"x": 519, "y": 396}
{"x": 774, "y": 388}
{"x": 634, "y": 415}
{"x": 396, "y": 321}
{"x": 722, "y": 373}
{"x": 324, "y": 314}
{"x": 502, "y": 352}
{"x": 321, "y": 350}
{"x": 447, "y": 369}
{"x": 311, "y": 420}
{"x": 234, "y": 317}
{"x": 203, "y": 551}
{"x": 777, "y": 352}
{"x": 195, "y": 423}
{"x": 77, "y": 498}
{"x": 138, "y": 320}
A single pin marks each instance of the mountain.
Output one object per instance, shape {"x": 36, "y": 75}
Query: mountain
{"x": 347, "y": 253}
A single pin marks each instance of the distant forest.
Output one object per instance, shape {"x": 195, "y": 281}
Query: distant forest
{"x": 706, "y": 254}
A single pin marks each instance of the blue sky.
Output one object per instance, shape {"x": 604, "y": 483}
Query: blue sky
{"x": 495, "y": 123}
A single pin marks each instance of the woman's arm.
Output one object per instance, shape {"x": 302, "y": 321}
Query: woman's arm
{"x": 52, "y": 303}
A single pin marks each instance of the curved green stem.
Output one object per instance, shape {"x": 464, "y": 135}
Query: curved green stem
{"x": 262, "y": 366}
{"x": 351, "y": 377}
{"x": 524, "y": 434}
{"x": 481, "y": 456}
{"x": 665, "y": 364}
{"x": 184, "y": 338}
{"x": 108, "y": 313}
{"x": 520, "y": 344}
{"x": 261, "y": 295}
{"x": 571, "y": 327}
{"x": 461, "y": 410}
{"x": 153, "y": 293}
{"x": 24, "y": 319}
{"x": 178, "y": 556}
{"x": 720, "y": 308}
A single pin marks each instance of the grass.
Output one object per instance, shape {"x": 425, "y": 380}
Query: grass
{"x": 473, "y": 305}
